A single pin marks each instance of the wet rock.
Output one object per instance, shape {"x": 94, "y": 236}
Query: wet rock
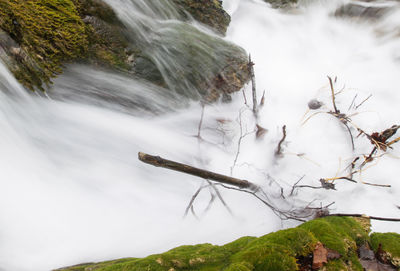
{"x": 282, "y": 3}
{"x": 208, "y": 66}
{"x": 360, "y": 10}
{"x": 208, "y": 12}
{"x": 21, "y": 64}
{"x": 315, "y": 104}
{"x": 370, "y": 262}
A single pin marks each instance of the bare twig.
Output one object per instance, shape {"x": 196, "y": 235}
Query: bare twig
{"x": 364, "y": 101}
{"x": 333, "y": 95}
{"x": 244, "y": 97}
{"x": 370, "y": 217}
{"x": 262, "y": 100}
{"x": 374, "y": 184}
{"x": 339, "y": 178}
{"x": 241, "y": 136}
{"x": 253, "y": 84}
{"x": 220, "y": 196}
{"x": 278, "y": 151}
{"x": 190, "y": 205}
{"x": 200, "y": 122}
{"x": 352, "y": 102}
{"x": 281, "y": 214}
{"x": 295, "y": 185}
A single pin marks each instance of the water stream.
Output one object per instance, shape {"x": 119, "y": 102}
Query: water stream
{"x": 73, "y": 191}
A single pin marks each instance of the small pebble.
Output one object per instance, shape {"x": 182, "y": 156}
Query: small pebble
{"x": 314, "y": 104}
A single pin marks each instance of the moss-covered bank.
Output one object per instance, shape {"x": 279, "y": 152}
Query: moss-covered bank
{"x": 47, "y": 34}
{"x": 290, "y": 249}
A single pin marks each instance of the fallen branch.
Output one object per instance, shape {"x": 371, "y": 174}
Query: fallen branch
{"x": 157, "y": 161}
{"x": 301, "y": 214}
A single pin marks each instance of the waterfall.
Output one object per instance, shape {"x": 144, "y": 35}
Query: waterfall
{"x": 73, "y": 191}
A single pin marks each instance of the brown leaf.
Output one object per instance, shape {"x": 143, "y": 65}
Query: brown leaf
{"x": 319, "y": 256}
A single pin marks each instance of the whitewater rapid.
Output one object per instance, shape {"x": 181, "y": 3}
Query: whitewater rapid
{"x": 73, "y": 191}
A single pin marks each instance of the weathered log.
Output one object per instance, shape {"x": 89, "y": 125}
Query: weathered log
{"x": 157, "y": 161}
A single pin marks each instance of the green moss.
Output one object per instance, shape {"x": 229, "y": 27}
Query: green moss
{"x": 341, "y": 234}
{"x": 272, "y": 252}
{"x": 390, "y": 244}
{"x": 53, "y": 32}
{"x": 50, "y": 31}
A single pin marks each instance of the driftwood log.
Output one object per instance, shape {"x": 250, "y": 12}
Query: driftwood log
{"x": 157, "y": 161}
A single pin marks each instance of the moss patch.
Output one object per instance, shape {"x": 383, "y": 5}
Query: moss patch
{"x": 50, "y": 31}
{"x": 390, "y": 244}
{"x": 275, "y": 251}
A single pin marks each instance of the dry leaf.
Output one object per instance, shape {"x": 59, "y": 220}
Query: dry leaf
{"x": 319, "y": 256}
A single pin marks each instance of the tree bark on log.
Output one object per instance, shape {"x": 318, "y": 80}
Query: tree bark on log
{"x": 157, "y": 161}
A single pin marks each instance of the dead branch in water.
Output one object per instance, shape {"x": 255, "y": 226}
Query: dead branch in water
{"x": 300, "y": 214}
{"x": 157, "y": 161}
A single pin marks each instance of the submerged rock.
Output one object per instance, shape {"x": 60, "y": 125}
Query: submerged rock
{"x": 291, "y": 249}
{"x": 358, "y": 10}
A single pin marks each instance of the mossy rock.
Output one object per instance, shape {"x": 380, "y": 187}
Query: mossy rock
{"x": 49, "y": 31}
{"x": 208, "y": 65}
{"x": 275, "y": 251}
{"x": 208, "y": 12}
{"x": 390, "y": 244}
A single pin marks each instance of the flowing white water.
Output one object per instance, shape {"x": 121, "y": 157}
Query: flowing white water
{"x": 72, "y": 189}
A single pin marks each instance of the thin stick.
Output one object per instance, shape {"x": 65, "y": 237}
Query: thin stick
{"x": 295, "y": 185}
{"x": 220, "y": 196}
{"x": 364, "y": 101}
{"x": 253, "y": 84}
{"x": 201, "y": 121}
{"x": 370, "y": 217}
{"x": 352, "y": 102}
{"x": 338, "y": 178}
{"x": 333, "y": 95}
{"x": 190, "y": 205}
{"x": 374, "y": 184}
{"x": 244, "y": 96}
{"x": 278, "y": 151}
{"x": 157, "y": 161}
